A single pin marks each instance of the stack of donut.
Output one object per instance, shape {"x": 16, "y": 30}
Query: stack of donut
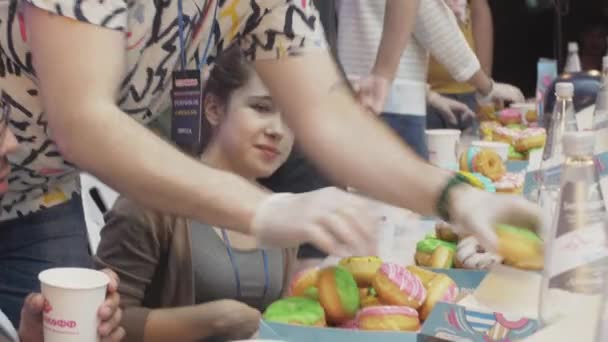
{"x": 363, "y": 293}
{"x": 519, "y": 130}
{"x": 518, "y": 247}
{"x": 485, "y": 167}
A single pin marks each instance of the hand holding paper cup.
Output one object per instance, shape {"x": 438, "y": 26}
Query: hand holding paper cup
{"x": 73, "y": 297}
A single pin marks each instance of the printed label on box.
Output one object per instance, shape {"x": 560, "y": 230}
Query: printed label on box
{"x": 453, "y": 322}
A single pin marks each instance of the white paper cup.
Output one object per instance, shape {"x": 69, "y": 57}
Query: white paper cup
{"x": 499, "y": 147}
{"x": 73, "y": 297}
{"x": 443, "y": 147}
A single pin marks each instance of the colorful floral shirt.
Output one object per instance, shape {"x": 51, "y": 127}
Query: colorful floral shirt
{"x": 264, "y": 29}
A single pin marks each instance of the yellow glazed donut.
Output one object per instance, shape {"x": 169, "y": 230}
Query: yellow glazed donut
{"x": 440, "y": 289}
{"x": 520, "y": 247}
{"x": 363, "y": 269}
{"x": 432, "y": 252}
{"x": 423, "y": 274}
{"x": 483, "y": 161}
{"x": 531, "y": 138}
{"x": 392, "y": 318}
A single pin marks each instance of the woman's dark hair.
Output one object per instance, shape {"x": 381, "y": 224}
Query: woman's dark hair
{"x": 230, "y": 72}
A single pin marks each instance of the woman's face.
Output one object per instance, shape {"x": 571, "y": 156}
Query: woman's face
{"x": 251, "y": 133}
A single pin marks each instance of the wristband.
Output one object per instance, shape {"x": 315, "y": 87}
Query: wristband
{"x": 443, "y": 204}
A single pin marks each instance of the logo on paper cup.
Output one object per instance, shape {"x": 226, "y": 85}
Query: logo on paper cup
{"x": 56, "y": 324}
{"x": 47, "y": 307}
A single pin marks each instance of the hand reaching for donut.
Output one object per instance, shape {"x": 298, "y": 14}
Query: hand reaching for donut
{"x": 478, "y": 212}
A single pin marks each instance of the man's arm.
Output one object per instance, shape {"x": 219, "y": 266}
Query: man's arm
{"x": 343, "y": 140}
{"x": 483, "y": 33}
{"x": 79, "y": 67}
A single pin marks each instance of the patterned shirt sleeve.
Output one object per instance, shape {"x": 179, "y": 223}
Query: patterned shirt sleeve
{"x": 271, "y": 29}
{"x": 111, "y": 14}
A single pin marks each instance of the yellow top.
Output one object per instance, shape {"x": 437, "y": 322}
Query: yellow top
{"x": 438, "y": 77}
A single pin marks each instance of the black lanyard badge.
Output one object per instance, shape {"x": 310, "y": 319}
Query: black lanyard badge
{"x": 187, "y": 108}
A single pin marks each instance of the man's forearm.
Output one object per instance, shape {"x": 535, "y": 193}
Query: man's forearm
{"x": 344, "y": 141}
{"x": 399, "y": 21}
{"x": 186, "y": 323}
{"x": 141, "y": 166}
{"x": 483, "y": 33}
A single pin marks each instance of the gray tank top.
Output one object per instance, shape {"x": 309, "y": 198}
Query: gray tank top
{"x": 214, "y": 276}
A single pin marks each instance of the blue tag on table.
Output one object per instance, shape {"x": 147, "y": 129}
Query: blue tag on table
{"x": 186, "y": 97}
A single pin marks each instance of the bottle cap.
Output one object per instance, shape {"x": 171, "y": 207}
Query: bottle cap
{"x": 578, "y": 143}
{"x": 572, "y": 47}
{"x": 564, "y": 89}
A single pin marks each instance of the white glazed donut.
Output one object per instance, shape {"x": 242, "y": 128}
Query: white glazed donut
{"x": 470, "y": 254}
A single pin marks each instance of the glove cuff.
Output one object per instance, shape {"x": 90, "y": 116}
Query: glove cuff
{"x": 263, "y": 209}
{"x": 487, "y": 98}
{"x": 443, "y": 203}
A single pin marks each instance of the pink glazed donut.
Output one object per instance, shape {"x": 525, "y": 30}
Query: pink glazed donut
{"x": 396, "y": 318}
{"x": 395, "y": 285}
{"x": 509, "y": 116}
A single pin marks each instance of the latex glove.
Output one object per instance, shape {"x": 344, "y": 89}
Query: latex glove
{"x": 478, "y": 212}
{"x": 504, "y": 92}
{"x": 110, "y": 315}
{"x": 337, "y": 222}
{"x": 372, "y": 91}
{"x": 449, "y": 109}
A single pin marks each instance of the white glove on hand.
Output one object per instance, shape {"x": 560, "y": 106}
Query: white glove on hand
{"x": 478, "y": 212}
{"x": 372, "y": 91}
{"x": 337, "y": 222}
{"x": 504, "y": 92}
{"x": 448, "y": 108}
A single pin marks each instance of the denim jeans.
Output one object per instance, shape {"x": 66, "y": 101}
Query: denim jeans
{"x": 54, "y": 237}
{"x": 411, "y": 129}
{"x": 434, "y": 120}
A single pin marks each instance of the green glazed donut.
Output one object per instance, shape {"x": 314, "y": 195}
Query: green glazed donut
{"x": 296, "y": 310}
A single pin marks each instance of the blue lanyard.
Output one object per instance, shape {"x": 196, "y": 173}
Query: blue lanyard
{"x": 235, "y": 268}
{"x": 182, "y": 39}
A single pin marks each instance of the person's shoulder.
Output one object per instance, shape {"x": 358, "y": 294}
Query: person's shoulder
{"x": 139, "y": 215}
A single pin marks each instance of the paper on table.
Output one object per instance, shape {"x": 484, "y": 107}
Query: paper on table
{"x": 510, "y": 291}
{"x": 578, "y": 326}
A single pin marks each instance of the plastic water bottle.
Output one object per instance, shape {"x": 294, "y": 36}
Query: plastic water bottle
{"x": 573, "y": 62}
{"x": 576, "y": 254}
{"x": 601, "y": 331}
{"x": 600, "y": 115}
{"x": 562, "y": 120}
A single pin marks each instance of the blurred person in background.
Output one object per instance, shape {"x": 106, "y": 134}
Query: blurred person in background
{"x": 474, "y": 18}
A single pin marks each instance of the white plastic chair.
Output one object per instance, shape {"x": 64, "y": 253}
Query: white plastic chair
{"x": 97, "y": 198}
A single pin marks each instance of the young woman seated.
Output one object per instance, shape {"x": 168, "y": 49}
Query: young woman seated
{"x": 183, "y": 280}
